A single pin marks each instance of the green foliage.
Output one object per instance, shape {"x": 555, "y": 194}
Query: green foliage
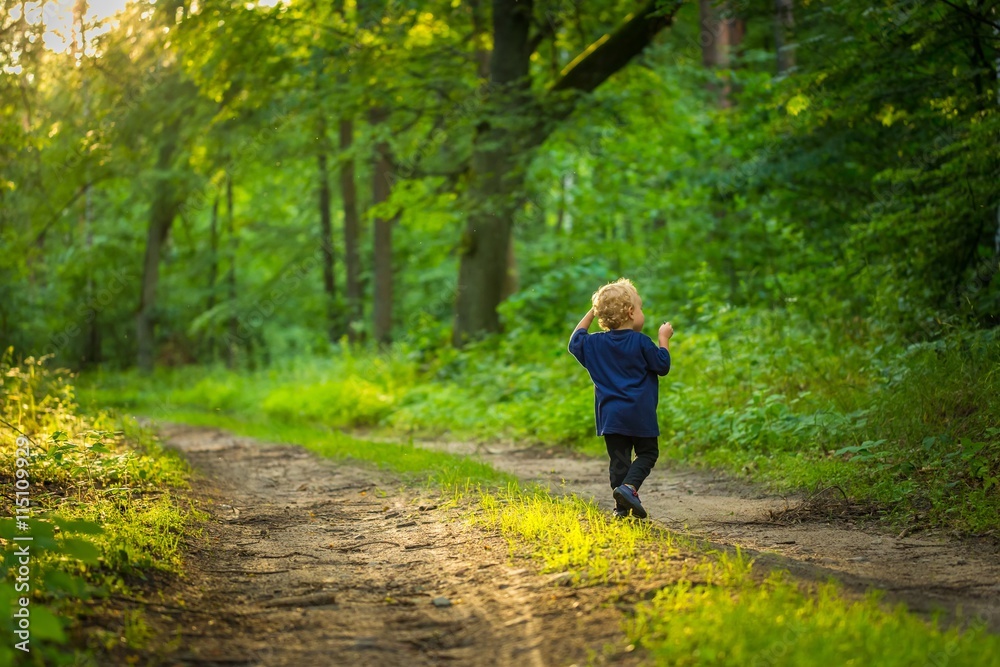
{"x": 860, "y": 184}
{"x": 934, "y": 438}
{"x": 100, "y": 512}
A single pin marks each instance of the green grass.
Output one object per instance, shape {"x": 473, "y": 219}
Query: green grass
{"x": 104, "y": 518}
{"x": 714, "y": 608}
{"x": 733, "y": 619}
{"x": 567, "y": 533}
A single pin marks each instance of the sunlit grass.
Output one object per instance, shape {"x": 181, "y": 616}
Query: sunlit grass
{"x": 735, "y": 620}
{"x": 568, "y": 533}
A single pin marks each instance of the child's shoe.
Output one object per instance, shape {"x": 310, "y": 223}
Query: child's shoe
{"x": 621, "y": 512}
{"x": 627, "y": 496}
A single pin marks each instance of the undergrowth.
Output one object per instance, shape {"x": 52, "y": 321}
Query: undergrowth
{"x": 96, "y": 502}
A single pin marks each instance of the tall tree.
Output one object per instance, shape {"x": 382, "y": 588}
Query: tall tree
{"x": 515, "y": 122}
{"x": 162, "y": 211}
{"x": 233, "y": 337}
{"x": 92, "y": 343}
{"x": 167, "y": 190}
{"x": 784, "y": 22}
{"x": 715, "y": 37}
{"x": 213, "y": 266}
{"x": 326, "y": 228}
{"x": 352, "y": 228}
{"x": 382, "y": 250}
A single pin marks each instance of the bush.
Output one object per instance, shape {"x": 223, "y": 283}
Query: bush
{"x": 94, "y": 525}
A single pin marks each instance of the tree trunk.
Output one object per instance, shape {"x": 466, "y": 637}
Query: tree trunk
{"x": 92, "y": 346}
{"x": 231, "y": 276}
{"x": 161, "y": 216}
{"x": 714, "y": 47}
{"x": 714, "y": 36}
{"x": 381, "y": 190}
{"x": 213, "y": 268}
{"x": 480, "y": 39}
{"x": 783, "y": 23}
{"x": 326, "y": 234}
{"x": 496, "y": 177}
{"x": 352, "y": 261}
{"x": 996, "y": 239}
{"x": 736, "y": 30}
{"x": 502, "y": 149}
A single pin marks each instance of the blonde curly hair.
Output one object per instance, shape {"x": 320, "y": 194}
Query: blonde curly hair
{"x": 613, "y": 302}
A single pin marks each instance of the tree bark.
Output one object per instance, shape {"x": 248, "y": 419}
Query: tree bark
{"x": 161, "y": 215}
{"x": 326, "y": 233}
{"x": 349, "y": 196}
{"x": 514, "y": 124}
{"x": 231, "y": 276}
{"x": 479, "y": 37}
{"x": 213, "y": 268}
{"x": 996, "y": 239}
{"x": 713, "y": 35}
{"x": 714, "y": 47}
{"x": 381, "y": 190}
{"x": 496, "y": 178}
{"x": 736, "y": 30}
{"x": 783, "y": 23}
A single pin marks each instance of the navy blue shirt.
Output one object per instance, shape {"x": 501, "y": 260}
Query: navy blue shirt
{"x": 624, "y": 366}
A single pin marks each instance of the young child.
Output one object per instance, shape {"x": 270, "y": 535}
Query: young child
{"x": 624, "y": 365}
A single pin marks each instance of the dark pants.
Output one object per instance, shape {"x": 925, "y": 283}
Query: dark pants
{"x": 622, "y": 468}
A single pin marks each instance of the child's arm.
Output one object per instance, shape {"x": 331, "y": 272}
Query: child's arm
{"x": 586, "y": 321}
{"x": 576, "y": 341}
{"x": 666, "y": 331}
{"x": 658, "y": 358}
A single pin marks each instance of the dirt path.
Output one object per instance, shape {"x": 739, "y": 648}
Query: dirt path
{"x": 306, "y": 562}
{"x": 927, "y": 572}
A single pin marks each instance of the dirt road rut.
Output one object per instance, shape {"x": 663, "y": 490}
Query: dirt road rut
{"x": 308, "y": 562}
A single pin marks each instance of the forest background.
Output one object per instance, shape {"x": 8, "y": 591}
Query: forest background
{"x": 389, "y": 215}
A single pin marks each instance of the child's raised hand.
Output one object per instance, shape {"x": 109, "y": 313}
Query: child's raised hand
{"x": 666, "y": 330}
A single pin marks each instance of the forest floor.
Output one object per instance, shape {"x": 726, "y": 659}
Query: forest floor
{"x": 350, "y": 566}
